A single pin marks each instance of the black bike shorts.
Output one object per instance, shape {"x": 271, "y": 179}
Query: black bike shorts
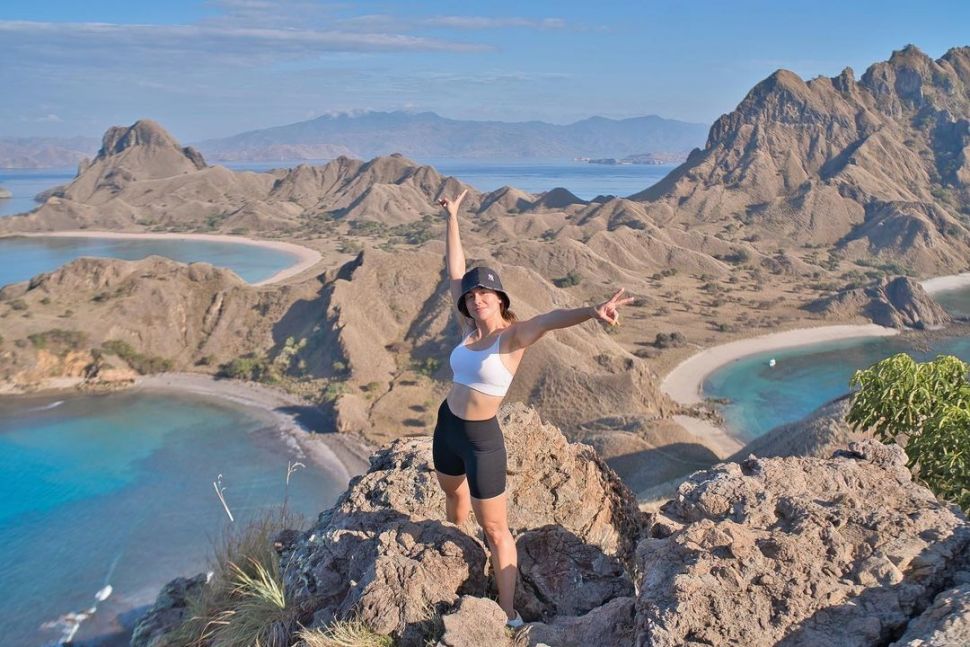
{"x": 472, "y": 447}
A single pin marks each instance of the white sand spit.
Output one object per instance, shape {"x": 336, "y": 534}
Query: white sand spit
{"x": 341, "y": 456}
{"x": 684, "y": 383}
{"x": 944, "y": 283}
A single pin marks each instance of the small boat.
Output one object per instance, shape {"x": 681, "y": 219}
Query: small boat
{"x": 771, "y": 362}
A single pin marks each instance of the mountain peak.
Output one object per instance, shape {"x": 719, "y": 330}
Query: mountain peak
{"x": 147, "y": 135}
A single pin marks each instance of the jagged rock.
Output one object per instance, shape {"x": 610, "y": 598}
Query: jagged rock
{"x": 384, "y": 554}
{"x": 799, "y": 551}
{"x": 944, "y": 624}
{"x": 897, "y": 303}
{"x": 168, "y": 612}
{"x": 819, "y": 434}
{"x": 560, "y": 575}
{"x": 475, "y": 623}
{"x": 610, "y": 624}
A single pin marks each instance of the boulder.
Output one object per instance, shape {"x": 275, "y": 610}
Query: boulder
{"x": 610, "y": 624}
{"x": 168, "y": 612}
{"x": 560, "y": 575}
{"x": 476, "y": 622}
{"x": 796, "y": 551}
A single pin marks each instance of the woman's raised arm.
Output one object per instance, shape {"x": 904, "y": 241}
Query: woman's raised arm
{"x": 454, "y": 255}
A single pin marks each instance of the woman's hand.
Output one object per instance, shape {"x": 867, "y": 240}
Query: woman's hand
{"x": 608, "y": 311}
{"x": 452, "y": 205}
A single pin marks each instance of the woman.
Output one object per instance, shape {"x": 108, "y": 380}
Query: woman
{"x": 468, "y": 447}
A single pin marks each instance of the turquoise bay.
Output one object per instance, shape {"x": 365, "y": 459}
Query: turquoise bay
{"x": 761, "y": 397}
{"x": 118, "y": 489}
{"x": 25, "y": 257}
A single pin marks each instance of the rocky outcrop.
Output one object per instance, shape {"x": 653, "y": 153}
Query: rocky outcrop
{"x": 797, "y": 551}
{"x": 820, "y": 434}
{"x": 896, "y": 303}
{"x": 384, "y": 554}
{"x": 171, "y": 608}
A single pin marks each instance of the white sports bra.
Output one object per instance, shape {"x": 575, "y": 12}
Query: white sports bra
{"x": 481, "y": 370}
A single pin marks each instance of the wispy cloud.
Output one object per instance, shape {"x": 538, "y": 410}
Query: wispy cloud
{"x": 481, "y": 22}
{"x": 43, "y": 119}
{"x": 23, "y": 40}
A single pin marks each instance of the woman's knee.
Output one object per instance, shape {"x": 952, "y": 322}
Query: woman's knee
{"x": 497, "y": 533}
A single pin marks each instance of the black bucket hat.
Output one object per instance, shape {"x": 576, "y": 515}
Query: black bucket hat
{"x": 481, "y": 277}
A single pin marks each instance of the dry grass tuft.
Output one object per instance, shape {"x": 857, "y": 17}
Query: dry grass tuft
{"x": 244, "y": 603}
{"x": 345, "y": 633}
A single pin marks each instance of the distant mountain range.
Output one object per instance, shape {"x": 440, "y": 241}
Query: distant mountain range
{"x": 427, "y": 134}
{"x": 45, "y": 152}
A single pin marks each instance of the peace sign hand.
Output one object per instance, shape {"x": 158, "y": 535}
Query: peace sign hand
{"x": 452, "y": 205}
{"x": 608, "y": 311}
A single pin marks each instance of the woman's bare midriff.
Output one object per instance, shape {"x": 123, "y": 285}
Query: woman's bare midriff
{"x": 469, "y": 404}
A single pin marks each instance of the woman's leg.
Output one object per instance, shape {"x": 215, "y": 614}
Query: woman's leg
{"x": 492, "y": 517}
{"x": 457, "y": 498}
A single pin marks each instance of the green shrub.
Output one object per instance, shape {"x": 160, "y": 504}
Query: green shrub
{"x": 427, "y": 366}
{"x": 568, "y": 281}
{"x": 926, "y": 407}
{"x": 143, "y": 364}
{"x": 18, "y": 304}
{"x": 249, "y": 367}
{"x": 333, "y": 391}
{"x": 58, "y": 340}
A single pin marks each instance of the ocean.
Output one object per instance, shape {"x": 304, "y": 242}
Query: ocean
{"x": 117, "y": 490}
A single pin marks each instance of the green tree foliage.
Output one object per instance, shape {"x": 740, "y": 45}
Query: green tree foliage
{"x": 925, "y": 407}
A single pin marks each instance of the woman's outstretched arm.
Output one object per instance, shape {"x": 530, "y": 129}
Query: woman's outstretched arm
{"x": 530, "y": 331}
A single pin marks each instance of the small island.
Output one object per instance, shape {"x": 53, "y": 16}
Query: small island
{"x": 640, "y": 158}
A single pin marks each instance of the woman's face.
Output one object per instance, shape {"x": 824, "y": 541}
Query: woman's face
{"x": 483, "y": 303}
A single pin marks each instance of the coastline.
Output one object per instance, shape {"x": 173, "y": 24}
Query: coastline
{"x": 946, "y": 283}
{"x": 684, "y": 382}
{"x": 306, "y": 257}
{"x": 342, "y": 456}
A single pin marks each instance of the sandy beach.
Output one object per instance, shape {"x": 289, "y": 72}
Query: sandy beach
{"x": 342, "y": 456}
{"x": 306, "y": 257}
{"x": 683, "y": 384}
{"x": 944, "y": 283}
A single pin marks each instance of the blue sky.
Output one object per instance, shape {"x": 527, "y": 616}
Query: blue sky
{"x": 217, "y": 67}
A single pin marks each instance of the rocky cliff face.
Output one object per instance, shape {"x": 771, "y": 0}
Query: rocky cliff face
{"x": 875, "y": 167}
{"x": 797, "y": 551}
{"x": 897, "y": 303}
